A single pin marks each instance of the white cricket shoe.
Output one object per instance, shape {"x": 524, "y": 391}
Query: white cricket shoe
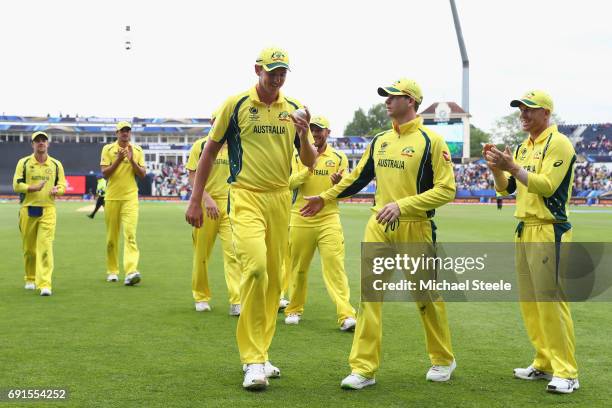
{"x": 356, "y": 382}
{"x": 255, "y": 377}
{"x": 563, "y": 385}
{"x": 531, "y": 373}
{"x": 234, "y": 310}
{"x": 269, "y": 370}
{"x": 202, "y": 307}
{"x": 30, "y": 286}
{"x": 132, "y": 279}
{"x": 441, "y": 373}
{"x": 282, "y": 304}
{"x": 348, "y": 324}
{"x": 45, "y": 292}
{"x": 112, "y": 278}
{"x": 293, "y": 318}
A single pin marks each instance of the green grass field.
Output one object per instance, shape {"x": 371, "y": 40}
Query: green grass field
{"x": 111, "y": 345}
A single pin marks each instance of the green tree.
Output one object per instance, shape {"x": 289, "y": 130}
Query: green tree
{"x": 508, "y": 129}
{"x": 478, "y": 138}
{"x": 375, "y": 121}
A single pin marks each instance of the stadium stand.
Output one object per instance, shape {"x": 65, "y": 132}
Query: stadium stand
{"x": 77, "y": 142}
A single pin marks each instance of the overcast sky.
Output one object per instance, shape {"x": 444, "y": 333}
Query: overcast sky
{"x": 188, "y": 56}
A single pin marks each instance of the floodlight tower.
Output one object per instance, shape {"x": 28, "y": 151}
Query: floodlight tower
{"x": 465, "y": 98}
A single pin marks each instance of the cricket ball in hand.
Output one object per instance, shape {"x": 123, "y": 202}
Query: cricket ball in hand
{"x": 300, "y": 113}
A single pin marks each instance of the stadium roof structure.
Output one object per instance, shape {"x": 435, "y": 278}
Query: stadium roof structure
{"x": 101, "y": 125}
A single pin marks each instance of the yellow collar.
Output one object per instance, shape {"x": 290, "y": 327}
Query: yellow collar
{"x": 328, "y": 151}
{"x": 408, "y": 127}
{"x": 46, "y": 162}
{"x": 544, "y": 135}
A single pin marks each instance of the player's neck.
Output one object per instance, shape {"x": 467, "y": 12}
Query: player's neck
{"x": 534, "y": 133}
{"x": 405, "y": 118}
{"x": 41, "y": 157}
{"x": 266, "y": 97}
{"x": 122, "y": 143}
{"x": 322, "y": 148}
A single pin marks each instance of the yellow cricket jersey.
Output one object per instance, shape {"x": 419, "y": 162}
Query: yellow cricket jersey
{"x": 259, "y": 138}
{"x": 303, "y": 182}
{"x": 549, "y": 161}
{"x": 122, "y": 183}
{"x": 412, "y": 166}
{"x": 30, "y": 172}
{"x": 217, "y": 184}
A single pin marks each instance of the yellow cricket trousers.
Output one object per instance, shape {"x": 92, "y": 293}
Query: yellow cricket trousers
{"x": 117, "y": 214}
{"x": 366, "y": 351}
{"x": 329, "y": 239}
{"x": 37, "y": 234}
{"x": 203, "y": 242}
{"x": 260, "y": 223}
{"x": 549, "y": 323}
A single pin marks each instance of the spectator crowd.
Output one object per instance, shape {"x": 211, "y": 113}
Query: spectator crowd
{"x": 169, "y": 179}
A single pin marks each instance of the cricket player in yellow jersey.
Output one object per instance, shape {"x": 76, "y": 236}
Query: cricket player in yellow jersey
{"x": 540, "y": 171}
{"x": 38, "y": 179}
{"x": 322, "y": 231}
{"x": 414, "y": 176}
{"x": 215, "y": 222}
{"x": 121, "y": 163}
{"x": 260, "y": 129}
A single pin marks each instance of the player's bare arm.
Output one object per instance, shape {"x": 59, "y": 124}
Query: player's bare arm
{"x": 194, "y": 214}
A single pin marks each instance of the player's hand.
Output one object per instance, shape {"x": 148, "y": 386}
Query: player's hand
{"x": 129, "y": 153}
{"x": 301, "y": 123}
{"x": 336, "y": 177}
{"x": 53, "y": 191}
{"x": 496, "y": 159}
{"x": 122, "y": 154}
{"x": 388, "y": 214}
{"x": 194, "y": 215}
{"x": 212, "y": 211}
{"x": 314, "y": 204}
{"x": 39, "y": 186}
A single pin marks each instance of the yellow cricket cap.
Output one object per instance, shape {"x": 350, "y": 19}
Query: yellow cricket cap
{"x": 123, "y": 124}
{"x": 272, "y": 58}
{"x": 403, "y": 87}
{"x": 43, "y": 134}
{"x": 534, "y": 99}
{"x": 320, "y": 121}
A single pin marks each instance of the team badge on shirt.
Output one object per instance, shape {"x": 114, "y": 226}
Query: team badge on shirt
{"x": 408, "y": 151}
{"x": 253, "y": 114}
{"x": 284, "y": 116}
{"x": 330, "y": 163}
{"x": 382, "y": 148}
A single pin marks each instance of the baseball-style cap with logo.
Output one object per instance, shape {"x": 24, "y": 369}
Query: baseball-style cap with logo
{"x": 320, "y": 121}
{"x": 534, "y": 99}
{"x": 403, "y": 87}
{"x": 272, "y": 58}
{"x": 43, "y": 134}
{"x": 123, "y": 124}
